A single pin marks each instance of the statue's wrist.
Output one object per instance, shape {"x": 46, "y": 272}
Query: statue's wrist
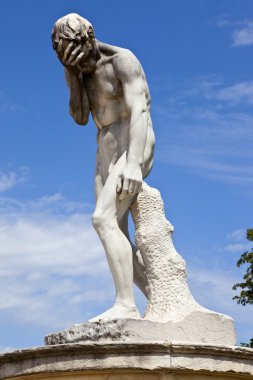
{"x": 134, "y": 163}
{"x": 74, "y": 72}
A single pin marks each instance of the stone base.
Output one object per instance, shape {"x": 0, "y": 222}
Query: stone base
{"x": 125, "y": 361}
{"x": 198, "y": 327}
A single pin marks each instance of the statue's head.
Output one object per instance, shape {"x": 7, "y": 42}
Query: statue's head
{"x": 73, "y": 27}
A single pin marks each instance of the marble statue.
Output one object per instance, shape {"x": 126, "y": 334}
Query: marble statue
{"x": 109, "y": 83}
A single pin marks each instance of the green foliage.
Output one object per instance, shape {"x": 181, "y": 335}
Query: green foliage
{"x": 250, "y": 234}
{"x": 250, "y": 344}
{"x": 246, "y": 295}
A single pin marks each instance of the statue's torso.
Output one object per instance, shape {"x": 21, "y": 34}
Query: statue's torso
{"x": 106, "y": 95}
{"x": 109, "y": 110}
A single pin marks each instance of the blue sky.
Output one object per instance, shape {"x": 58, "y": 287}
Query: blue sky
{"x": 197, "y": 56}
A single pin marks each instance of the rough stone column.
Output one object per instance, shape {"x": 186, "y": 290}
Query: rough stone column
{"x": 169, "y": 298}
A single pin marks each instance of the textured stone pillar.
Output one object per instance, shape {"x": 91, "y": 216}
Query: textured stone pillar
{"x": 169, "y": 298}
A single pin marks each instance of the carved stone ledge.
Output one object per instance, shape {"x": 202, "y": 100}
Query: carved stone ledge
{"x": 139, "y": 360}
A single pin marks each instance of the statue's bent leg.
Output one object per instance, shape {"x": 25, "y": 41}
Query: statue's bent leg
{"x": 139, "y": 275}
{"x": 109, "y": 211}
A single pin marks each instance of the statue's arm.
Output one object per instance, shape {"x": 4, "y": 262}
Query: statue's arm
{"x": 130, "y": 73}
{"x": 79, "y": 107}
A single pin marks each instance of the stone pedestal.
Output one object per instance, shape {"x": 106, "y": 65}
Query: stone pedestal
{"x": 198, "y": 328}
{"x": 159, "y": 360}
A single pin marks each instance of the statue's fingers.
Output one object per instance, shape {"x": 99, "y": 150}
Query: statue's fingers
{"x": 136, "y": 187}
{"x": 68, "y": 50}
{"x": 131, "y": 187}
{"x": 74, "y": 54}
{"x": 59, "y": 48}
{"x": 123, "y": 194}
{"x": 78, "y": 59}
{"x": 124, "y": 189}
{"x": 125, "y": 184}
{"x": 139, "y": 186}
{"x": 119, "y": 184}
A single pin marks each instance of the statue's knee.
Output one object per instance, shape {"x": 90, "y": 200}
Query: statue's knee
{"x": 102, "y": 222}
{"x": 98, "y": 220}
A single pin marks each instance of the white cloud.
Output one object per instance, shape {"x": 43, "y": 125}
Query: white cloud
{"x": 207, "y": 165}
{"x": 53, "y": 269}
{"x": 7, "y": 105}
{"x": 237, "y": 235}
{"x": 10, "y": 179}
{"x": 208, "y": 134}
{"x": 242, "y": 33}
{"x": 213, "y": 88}
{"x": 238, "y": 93}
{"x": 243, "y": 36}
{"x": 240, "y": 244}
{"x": 238, "y": 248}
{"x": 212, "y": 287}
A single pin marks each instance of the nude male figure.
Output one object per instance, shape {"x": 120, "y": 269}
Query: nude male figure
{"x": 109, "y": 83}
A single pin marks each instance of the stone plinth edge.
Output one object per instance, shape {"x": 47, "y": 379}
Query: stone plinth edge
{"x": 199, "y": 327}
{"x": 162, "y": 359}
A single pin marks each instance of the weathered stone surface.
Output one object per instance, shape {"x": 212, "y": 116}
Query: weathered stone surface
{"x": 197, "y": 327}
{"x": 125, "y": 361}
{"x": 169, "y": 297}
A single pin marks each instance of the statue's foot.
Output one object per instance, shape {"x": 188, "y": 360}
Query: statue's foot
{"x": 118, "y": 311}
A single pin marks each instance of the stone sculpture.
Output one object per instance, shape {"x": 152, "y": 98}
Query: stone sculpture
{"x": 109, "y": 83}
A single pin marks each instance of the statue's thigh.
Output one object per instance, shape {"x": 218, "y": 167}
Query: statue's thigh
{"x": 98, "y": 185}
{"x": 108, "y": 203}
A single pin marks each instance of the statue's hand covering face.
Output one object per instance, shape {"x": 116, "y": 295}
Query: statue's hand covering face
{"x": 74, "y": 41}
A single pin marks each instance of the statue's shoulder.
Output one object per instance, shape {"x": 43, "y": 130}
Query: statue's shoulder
{"x": 125, "y": 62}
{"x": 125, "y": 55}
